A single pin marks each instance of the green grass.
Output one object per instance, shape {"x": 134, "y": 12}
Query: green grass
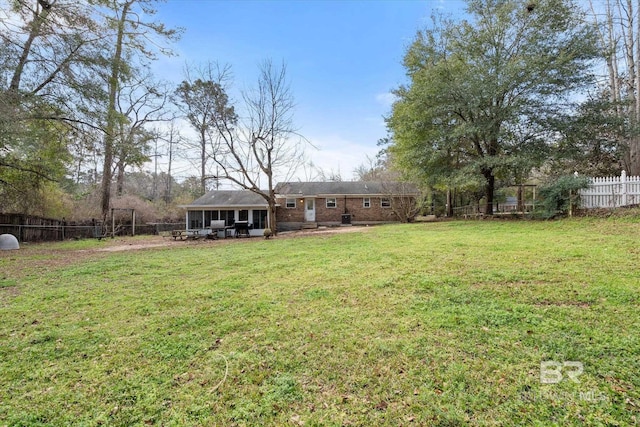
{"x": 441, "y": 324}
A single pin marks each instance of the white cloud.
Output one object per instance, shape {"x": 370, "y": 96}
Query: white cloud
{"x": 336, "y": 154}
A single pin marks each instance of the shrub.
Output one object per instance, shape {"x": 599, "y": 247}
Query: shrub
{"x": 558, "y": 196}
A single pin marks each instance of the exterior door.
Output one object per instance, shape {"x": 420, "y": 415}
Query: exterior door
{"x": 310, "y": 210}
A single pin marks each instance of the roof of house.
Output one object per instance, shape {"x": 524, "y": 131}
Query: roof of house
{"x": 346, "y": 188}
{"x": 229, "y": 198}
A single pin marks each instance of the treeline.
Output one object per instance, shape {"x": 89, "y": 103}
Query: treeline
{"x": 78, "y": 106}
{"x": 519, "y": 93}
{"x": 511, "y": 95}
{"x": 80, "y": 114}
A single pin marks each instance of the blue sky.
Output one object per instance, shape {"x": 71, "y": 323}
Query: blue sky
{"x": 342, "y": 57}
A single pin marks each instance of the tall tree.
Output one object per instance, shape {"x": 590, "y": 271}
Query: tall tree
{"x": 141, "y": 102}
{"x": 266, "y": 146}
{"x": 204, "y": 102}
{"x": 482, "y": 91}
{"x": 590, "y": 142}
{"x": 171, "y": 137}
{"x": 252, "y": 148}
{"x": 618, "y": 24}
{"x": 44, "y": 51}
{"x": 133, "y": 40}
{"x": 46, "y": 44}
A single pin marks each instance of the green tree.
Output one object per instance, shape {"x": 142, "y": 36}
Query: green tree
{"x": 204, "y": 103}
{"x": 44, "y": 46}
{"x": 483, "y": 91}
{"x": 590, "y": 141}
{"x": 31, "y": 163}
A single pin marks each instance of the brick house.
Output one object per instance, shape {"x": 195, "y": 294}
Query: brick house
{"x": 309, "y": 204}
{"x": 302, "y": 204}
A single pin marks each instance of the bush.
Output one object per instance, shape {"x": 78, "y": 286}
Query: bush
{"x": 559, "y": 195}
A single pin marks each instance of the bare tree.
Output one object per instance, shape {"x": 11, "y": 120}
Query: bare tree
{"x": 172, "y": 138}
{"x": 374, "y": 168}
{"x": 141, "y": 101}
{"x": 331, "y": 175}
{"x": 271, "y": 148}
{"x": 263, "y": 146}
{"x": 405, "y": 200}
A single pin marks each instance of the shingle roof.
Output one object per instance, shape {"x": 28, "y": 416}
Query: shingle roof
{"x": 349, "y": 188}
{"x": 229, "y": 198}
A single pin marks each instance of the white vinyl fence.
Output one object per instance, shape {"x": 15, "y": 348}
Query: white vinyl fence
{"x": 611, "y": 192}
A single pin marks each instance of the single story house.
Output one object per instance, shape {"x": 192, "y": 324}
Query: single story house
{"x": 309, "y": 204}
{"x": 230, "y": 206}
{"x": 302, "y": 205}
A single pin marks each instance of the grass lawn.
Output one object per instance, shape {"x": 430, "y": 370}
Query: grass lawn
{"x": 439, "y": 324}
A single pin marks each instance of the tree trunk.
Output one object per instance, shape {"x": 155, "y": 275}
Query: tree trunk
{"x": 120, "y": 178}
{"x": 521, "y": 206}
{"x": 203, "y": 162}
{"x": 633, "y": 168}
{"x": 449, "y": 207}
{"x": 272, "y": 225}
{"x": 34, "y": 32}
{"x": 167, "y": 197}
{"x": 489, "y": 189}
{"x": 114, "y": 80}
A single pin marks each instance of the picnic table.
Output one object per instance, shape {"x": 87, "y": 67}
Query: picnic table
{"x": 185, "y": 234}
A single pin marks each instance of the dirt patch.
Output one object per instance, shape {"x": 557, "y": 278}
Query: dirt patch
{"x": 322, "y": 231}
{"x": 7, "y": 293}
{"x": 37, "y": 259}
{"x": 130, "y": 247}
{"x": 163, "y": 242}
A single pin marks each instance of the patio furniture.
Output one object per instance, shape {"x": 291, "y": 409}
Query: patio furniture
{"x": 185, "y": 234}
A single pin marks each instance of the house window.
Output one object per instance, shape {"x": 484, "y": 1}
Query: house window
{"x": 259, "y": 219}
{"x": 385, "y": 202}
{"x": 195, "y": 219}
{"x": 331, "y": 202}
{"x": 229, "y": 217}
{"x": 291, "y": 203}
{"x": 243, "y": 215}
{"x": 366, "y": 202}
{"x": 207, "y": 217}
